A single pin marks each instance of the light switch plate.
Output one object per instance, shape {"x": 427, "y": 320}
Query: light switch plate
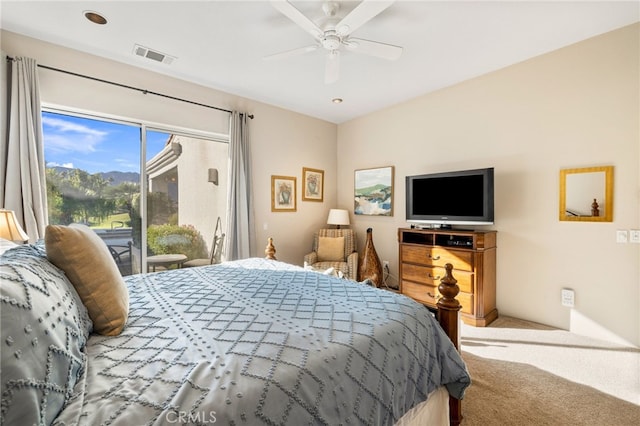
{"x": 634, "y": 236}
{"x": 621, "y": 236}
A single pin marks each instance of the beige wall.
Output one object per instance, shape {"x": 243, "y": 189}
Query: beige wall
{"x": 576, "y": 107}
{"x": 282, "y": 141}
{"x": 572, "y": 108}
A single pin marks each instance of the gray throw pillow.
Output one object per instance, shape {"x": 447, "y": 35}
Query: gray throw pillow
{"x": 45, "y": 327}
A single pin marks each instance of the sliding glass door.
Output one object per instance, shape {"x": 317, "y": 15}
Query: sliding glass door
{"x": 93, "y": 177}
{"x": 186, "y": 194}
{"x": 147, "y": 212}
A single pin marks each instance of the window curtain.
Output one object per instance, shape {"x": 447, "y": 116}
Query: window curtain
{"x": 22, "y": 156}
{"x": 240, "y": 224}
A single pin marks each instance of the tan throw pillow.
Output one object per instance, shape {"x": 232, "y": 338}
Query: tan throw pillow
{"x": 330, "y": 249}
{"x": 86, "y": 261}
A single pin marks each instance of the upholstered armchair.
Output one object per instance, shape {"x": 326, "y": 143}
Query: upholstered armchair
{"x": 334, "y": 248}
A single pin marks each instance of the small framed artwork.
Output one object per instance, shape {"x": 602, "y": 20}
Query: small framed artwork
{"x": 374, "y": 191}
{"x": 312, "y": 184}
{"x": 283, "y": 193}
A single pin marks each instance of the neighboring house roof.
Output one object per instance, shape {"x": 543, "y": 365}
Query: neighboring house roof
{"x": 165, "y": 159}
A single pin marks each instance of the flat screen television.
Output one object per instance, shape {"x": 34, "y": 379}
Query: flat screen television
{"x": 463, "y": 197}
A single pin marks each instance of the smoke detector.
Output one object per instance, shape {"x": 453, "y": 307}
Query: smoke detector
{"x": 154, "y": 55}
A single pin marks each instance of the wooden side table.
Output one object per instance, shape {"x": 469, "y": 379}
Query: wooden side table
{"x": 165, "y": 260}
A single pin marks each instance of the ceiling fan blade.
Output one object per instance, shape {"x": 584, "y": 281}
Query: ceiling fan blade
{"x": 332, "y": 67}
{"x": 288, "y": 10}
{"x": 374, "y": 48}
{"x": 365, "y": 11}
{"x": 292, "y": 52}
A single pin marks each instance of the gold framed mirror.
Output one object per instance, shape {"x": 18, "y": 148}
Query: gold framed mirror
{"x": 586, "y": 194}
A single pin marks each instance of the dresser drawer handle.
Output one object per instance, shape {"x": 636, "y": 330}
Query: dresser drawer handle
{"x": 432, "y": 277}
{"x": 434, "y": 296}
{"x": 434, "y": 258}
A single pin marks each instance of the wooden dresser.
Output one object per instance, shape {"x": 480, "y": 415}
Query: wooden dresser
{"x": 425, "y": 252}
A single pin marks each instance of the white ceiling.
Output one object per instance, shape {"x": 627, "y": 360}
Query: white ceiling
{"x": 221, "y": 44}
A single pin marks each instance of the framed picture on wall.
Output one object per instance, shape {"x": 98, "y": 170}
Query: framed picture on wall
{"x": 283, "y": 193}
{"x": 374, "y": 191}
{"x": 312, "y": 184}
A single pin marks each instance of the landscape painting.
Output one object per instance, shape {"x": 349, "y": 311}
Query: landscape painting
{"x": 374, "y": 191}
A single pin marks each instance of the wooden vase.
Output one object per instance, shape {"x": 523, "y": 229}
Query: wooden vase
{"x": 371, "y": 267}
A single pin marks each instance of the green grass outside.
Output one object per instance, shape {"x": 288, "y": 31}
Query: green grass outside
{"x": 106, "y": 224}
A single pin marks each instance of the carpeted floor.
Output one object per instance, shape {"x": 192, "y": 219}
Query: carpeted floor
{"x": 529, "y": 374}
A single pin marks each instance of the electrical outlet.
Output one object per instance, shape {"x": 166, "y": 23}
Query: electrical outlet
{"x": 567, "y": 297}
{"x": 385, "y": 264}
{"x": 634, "y": 236}
{"x": 621, "y": 236}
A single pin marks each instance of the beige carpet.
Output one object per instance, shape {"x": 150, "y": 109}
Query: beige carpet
{"x": 528, "y": 374}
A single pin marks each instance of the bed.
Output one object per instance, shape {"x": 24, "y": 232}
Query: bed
{"x": 255, "y": 341}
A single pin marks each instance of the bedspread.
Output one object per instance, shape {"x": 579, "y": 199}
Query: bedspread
{"x": 263, "y": 342}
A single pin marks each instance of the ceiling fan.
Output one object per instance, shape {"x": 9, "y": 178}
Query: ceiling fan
{"x": 334, "y": 33}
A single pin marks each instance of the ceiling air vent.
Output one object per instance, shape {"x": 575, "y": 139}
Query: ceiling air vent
{"x": 154, "y": 55}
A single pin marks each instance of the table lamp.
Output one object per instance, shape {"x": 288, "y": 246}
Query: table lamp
{"x": 10, "y": 229}
{"x": 338, "y": 217}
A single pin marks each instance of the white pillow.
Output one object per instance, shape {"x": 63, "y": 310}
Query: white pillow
{"x": 6, "y": 245}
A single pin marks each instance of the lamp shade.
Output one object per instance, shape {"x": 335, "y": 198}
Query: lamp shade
{"x": 338, "y": 217}
{"x": 10, "y": 229}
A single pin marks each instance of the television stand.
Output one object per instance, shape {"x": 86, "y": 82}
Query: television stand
{"x": 423, "y": 254}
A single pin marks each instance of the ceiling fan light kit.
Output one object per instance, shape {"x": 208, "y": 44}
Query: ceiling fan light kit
{"x": 336, "y": 33}
{"x": 331, "y": 41}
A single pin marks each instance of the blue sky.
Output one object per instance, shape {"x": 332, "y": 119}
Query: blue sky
{"x": 95, "y": 146}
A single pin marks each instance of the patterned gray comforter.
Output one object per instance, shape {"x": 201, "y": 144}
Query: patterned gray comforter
{"x": 263, "y": 342}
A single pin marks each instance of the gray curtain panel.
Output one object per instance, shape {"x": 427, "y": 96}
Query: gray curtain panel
{"x": 240, "y": 241}
{"x": 22, "y": 156}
